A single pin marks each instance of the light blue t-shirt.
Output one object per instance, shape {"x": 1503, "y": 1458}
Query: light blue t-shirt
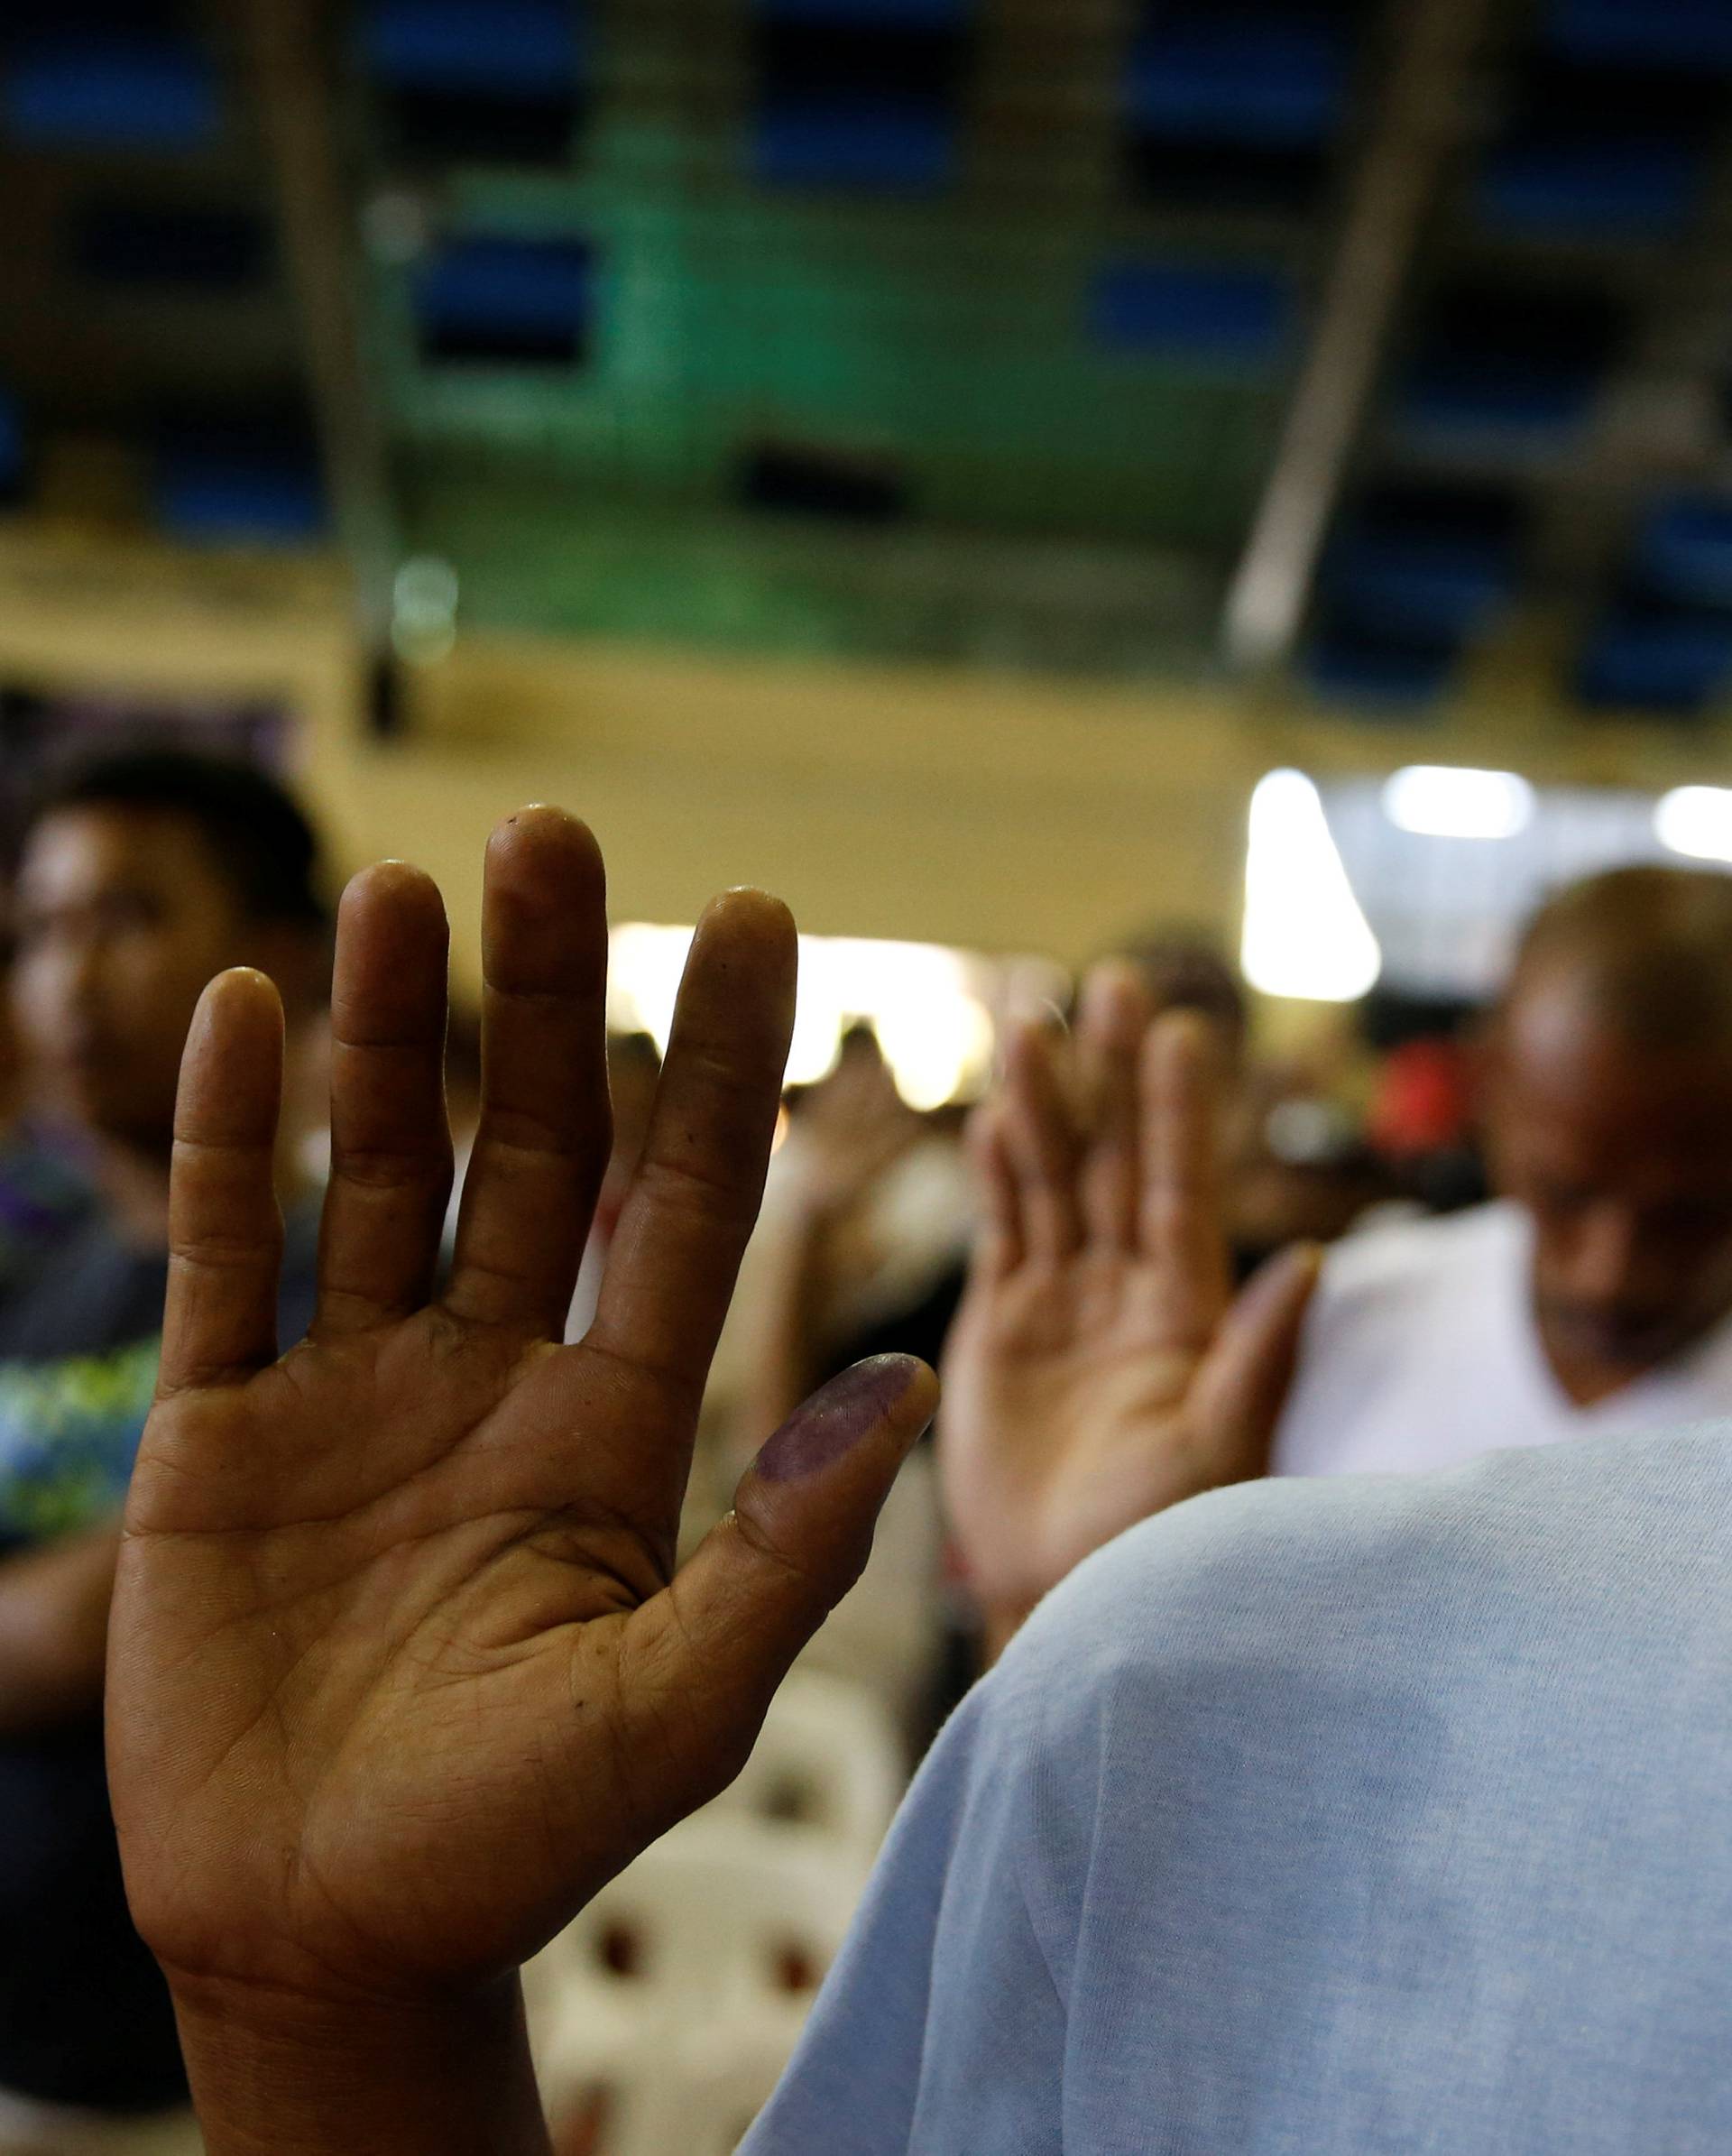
{"x": 1385, "y": 1816}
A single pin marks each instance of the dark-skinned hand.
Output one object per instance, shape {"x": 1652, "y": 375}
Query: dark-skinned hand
{"x": 401, "y": 1669}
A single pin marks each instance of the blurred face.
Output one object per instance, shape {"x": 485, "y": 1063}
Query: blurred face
{"x": 121, "y": 918}
{"x": 1623, "y": 1157}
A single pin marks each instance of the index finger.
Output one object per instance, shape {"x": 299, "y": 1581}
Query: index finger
{"x": 219, "y": 1321}
{"x": 1181, "y": 1215}
{"x": 1112, "y": 1018}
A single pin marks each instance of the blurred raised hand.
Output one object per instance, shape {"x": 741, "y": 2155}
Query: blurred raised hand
{"x": 402, "y": 1670}
{"x": 815, "y": 1240}
{"x": 1100, "y": 1368}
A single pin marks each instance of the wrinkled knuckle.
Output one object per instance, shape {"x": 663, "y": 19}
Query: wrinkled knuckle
{"x": 793, "y": 1568}
{"x": 694, "y": 1184}
{"x": 389, "y": 1168}
{"x": 521, "y": 1139}
{"x": 216, "y": 1253}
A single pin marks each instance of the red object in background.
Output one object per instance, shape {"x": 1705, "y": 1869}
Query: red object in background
{"x": 1423, "y": 1101}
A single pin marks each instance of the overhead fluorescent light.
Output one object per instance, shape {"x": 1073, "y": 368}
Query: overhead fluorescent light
{"x": 935, "y": 1033}
{"x": 1697, "y": 821}
{"x": 1437, "y": 801}
{"x": 1304, "y": 933}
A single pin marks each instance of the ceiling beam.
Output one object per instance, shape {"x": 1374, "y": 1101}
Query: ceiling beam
{"x": 1423, "y": 112}
{"x": 289, "y": 55}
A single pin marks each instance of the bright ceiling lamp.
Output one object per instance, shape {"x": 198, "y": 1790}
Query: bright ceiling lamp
{"x": 935, "y": 1031}
{"x": 644, "y": 964}
{"x": 1437, "y": 801}
{"x": 1304, "y": 933}
{"x": 1696, "y": 820}
{"x": 936, "y": 1034}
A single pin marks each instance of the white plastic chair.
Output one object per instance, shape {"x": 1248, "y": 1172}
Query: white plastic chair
{"x": 705, "y": 1953}
{"x": 654, "y": 2097}
{"x": 886, "y": 1632}
{"x": 829, "y": 1762}
{"x": 734, "y": 2076}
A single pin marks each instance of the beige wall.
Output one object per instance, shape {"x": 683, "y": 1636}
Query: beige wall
{"x": 987, "y": 813}
{"x": 1005, "y": 814}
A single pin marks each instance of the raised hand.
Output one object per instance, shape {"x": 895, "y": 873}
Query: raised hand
{"x": 1100, "y": 1368}
{"x": 402, "y": 1670}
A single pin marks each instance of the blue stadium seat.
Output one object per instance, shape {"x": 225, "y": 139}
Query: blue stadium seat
{"x": 1592, "y": 150}
{"x": 1642, "y": 186}
{"x": 1260, "y": 81}
{"x": 1236, "y": 109}
{"x": 12, "y": 446}
{"x": 1684, "y": 33}
{"x": 881, "y": 15}
{"x": 1520, "y": 408}
{"x": 208, "y": 491}
{"x": 109, "y": 93}
{"x": 493, "y": 82}
{"x": 861, "y": 95}
{"x": 885, "y": 144}
{"x": 1357, "y": 667}
{"x": 1676, "y": 662}
{"x": 1220, "y": 313}
{"x": 474, "y": 47}
{"x": 1412, "y": 574}
{"x": 1684, "y": 548}
{"x": 1443, "y": 589}
{"x": 507, "y": 301}
{"x": 1517, "y": 369}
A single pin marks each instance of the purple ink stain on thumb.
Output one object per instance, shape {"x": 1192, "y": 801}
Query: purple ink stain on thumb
{"x": 836, "y": 1417}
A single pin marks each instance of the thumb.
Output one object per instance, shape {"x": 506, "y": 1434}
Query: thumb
{"x": 765, "y": 1577}
{"x": 1248, "y": 1373}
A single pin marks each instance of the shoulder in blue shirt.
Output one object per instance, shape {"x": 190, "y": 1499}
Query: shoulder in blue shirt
{"x": 1365, "y": 1816}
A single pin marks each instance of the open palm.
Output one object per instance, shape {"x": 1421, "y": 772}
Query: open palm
{"x": 1100, "y": 1368}
{"x": 402, "y": 1668}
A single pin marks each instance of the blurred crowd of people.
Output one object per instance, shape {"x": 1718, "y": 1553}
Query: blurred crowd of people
{"x": 1526, "y": 1222}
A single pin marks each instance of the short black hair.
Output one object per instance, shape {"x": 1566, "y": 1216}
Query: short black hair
{"x": 1184, "y": 969}
{"x": 260, "y": 838}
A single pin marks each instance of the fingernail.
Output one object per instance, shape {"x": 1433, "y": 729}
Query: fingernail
{"x": 1276, "y": 1275}
{"x": 836, "y": 1417}
{"x": 1110, "y": 988}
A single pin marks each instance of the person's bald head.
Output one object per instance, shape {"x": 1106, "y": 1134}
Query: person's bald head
{"x": 1609, "y": 1106}
{"x": 1646, "y": 952}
